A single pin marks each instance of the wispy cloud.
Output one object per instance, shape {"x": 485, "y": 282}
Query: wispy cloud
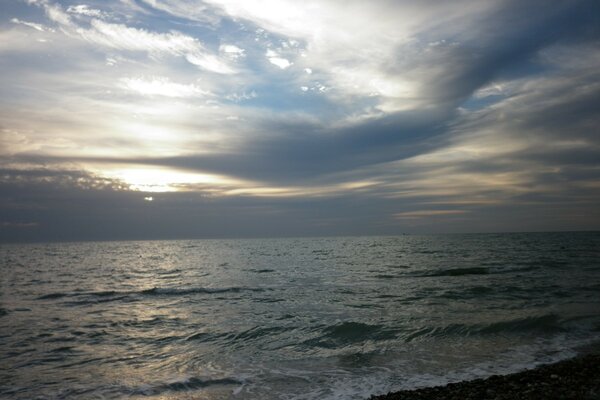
{"x": 427, "y": 213}
{"x": 18, "y": 225}
{"x": 123, "y": 37}
{"x": 162, "y": 86}
{"x": 38, "y": 27}
{"x": 85, "y": 10}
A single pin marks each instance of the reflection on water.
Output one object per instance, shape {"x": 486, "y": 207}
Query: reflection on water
{"x": 289, "y": 318}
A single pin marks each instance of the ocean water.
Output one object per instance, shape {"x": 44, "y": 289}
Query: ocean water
{"x": 322, "y": 318}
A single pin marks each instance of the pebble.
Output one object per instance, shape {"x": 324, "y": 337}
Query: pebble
{"x": 574, "y": 379}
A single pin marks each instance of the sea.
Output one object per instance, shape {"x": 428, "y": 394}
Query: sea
{"x": 290, "y": 318}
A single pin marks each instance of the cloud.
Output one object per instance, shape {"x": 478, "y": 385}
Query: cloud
{"x": 162, "y": 86}
{"x": 427, "y": 213}
{"x": 18, "y": 225}
{"x": 123, "y": 37}
{"x": 71, "y": 212}
{"x": 56, "y": 13}
{"x": 275, "y": 59}
{"x": 58, "y": 178}
{"x": 120, "y": 36}
{"x": 238, "y": 97}
{"x": 85, "y": 10}
{"x": 186, "y": 9}
{"x": 232, "y": 51}
{"x": 37, "y": 27}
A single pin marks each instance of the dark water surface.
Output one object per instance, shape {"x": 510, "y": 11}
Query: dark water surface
{"x": 326, "y": 318}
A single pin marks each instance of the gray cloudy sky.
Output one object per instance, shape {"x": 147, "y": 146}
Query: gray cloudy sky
{"x": 134, "y": 119}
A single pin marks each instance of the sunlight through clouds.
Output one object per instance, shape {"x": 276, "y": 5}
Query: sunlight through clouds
{"x": 161, "y": 180}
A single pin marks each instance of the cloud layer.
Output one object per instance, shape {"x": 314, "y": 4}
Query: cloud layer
{"x": 319, "y": 117}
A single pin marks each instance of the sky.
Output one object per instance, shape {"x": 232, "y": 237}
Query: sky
{"x": 149, "y": 119}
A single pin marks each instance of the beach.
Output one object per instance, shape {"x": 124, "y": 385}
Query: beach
{"x": 576, "y": 378}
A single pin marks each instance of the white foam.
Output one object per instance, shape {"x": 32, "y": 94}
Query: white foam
{"x": 305, "y": 383}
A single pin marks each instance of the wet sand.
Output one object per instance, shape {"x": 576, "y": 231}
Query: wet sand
{"x": 577, "y": 379}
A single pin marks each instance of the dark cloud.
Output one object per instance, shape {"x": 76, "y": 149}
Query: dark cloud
{"x": 298, "y": 153}
{"x": 498, "y": 45}
{"x": 289, "y": 154}
{"x": 53, "y": 205}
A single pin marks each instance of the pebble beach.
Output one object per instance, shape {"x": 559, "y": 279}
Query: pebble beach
{"x": 573, "y": 379}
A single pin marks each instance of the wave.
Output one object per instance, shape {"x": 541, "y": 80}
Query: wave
{"x": 385, "y": 276}
{"x": 156, "y": 291}
{"x": 512, "y": 270}
{"x": 548, "y": 323}
{"x": 169, "y": 272}
{"x": 185, "y": 384}
{"x": 467, "y": 293}
{"x": 258, "y": 332}
{"x": 238, "y": 338}
{"x": 348, "y": 333}
{"x": 52, "y": 296}
{"x": 112, "y": 295}
{"x": 199, "y": 336}
{"x": 59, "y": 295}
{"x": 457, "y": 272}
{"x": 481, "y": 270}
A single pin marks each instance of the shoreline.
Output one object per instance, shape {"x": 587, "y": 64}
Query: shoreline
{"x": 576, "y": 378}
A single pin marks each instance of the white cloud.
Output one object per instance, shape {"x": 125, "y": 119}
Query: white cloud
{"x": 238, "y": 97}
{"x": 56, "y": 14}
{"x": 85, "y": 10}
{"x": 161, "y": 86}
{"x": 209, "y": 62}
{"x": 275, "y": 59}
{"x": 186, "y": 9}
{"x": 37, "y": 27}
{"x": 232, "y": 51}
{"x": 282, "y": 63}
{"x": 355, "y": 55}
{"x": 123, "y": 37}
{"x": 126, "y": 38}
{"x": 174, "y": 43}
